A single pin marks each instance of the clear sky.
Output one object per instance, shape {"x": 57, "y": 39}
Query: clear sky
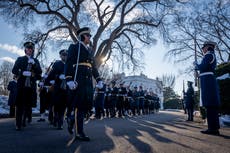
{"x": 155, "y": 66}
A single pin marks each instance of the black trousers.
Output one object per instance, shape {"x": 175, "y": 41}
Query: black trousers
{"x": 190, "y": 113}
{"x": 213, "y": 118}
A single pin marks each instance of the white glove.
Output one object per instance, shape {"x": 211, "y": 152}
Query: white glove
{"x": 52, "y": 82}
{"x": 26, "y": 73}
{"x": 62, "y": 77}
{"x": 99, "y": 85}
{"x": 41, "y": 84}
{"x": 45, "y": 76}
{"x": 72, "y": 85}
{"x": 31, "y": 61}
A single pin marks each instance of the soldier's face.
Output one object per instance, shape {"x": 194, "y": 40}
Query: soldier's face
{"x": 87, "y": 38}
{"x": 29, "y": 51}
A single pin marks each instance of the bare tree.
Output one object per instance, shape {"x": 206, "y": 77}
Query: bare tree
{"x": 6, "y": 76}
{"x": 121, "y": 27}
{"x": 201, "y": 21}
{"x": 168, "y": 80}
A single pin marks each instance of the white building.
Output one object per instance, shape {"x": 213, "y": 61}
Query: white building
{"x": 147, "y": 84}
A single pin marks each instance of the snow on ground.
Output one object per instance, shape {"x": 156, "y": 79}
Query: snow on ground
{"x": 4, "y": 108}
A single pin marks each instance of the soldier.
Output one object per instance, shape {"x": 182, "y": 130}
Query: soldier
{"x": 12, "y": 87}
{"x": 209, "y": 90}
{"x": 113, "y": 99}
{"x": 189, "y": 101}
{"x": 59, "y": 96}
{"x": 99, "y": 102}
{"x": 141, "y": 99}
{"x": 122, "y": 93}
{"x": 135, "y": 104}
{"x": 28, "y": 71}
{"x": 81, "y": 67}
{"x": 107, "y": 103}
{"x": 129, "y": 100}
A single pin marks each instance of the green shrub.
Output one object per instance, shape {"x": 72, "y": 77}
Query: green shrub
{"x": 224, "y": 87}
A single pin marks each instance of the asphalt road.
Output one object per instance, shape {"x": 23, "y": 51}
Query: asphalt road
{"x": 164, "y": 132}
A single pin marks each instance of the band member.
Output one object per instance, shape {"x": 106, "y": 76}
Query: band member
{"x": 209, "y": 90}
{"x": 28, "y": 71}
{"x": 59, "y": 95}
{"x": 81, "y": 67}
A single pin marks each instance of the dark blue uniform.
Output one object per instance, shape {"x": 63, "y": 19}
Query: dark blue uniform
{"x": 59, "y": 95}
{"x": 189, "y": 102}
{"x": 82, "y": 97}
{"x": 12, "y": 87}
{"x": 99, "y": 102}
{"x": 209, "y": 90}
{"x": 26, "y": 96}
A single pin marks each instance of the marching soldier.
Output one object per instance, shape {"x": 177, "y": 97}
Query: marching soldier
{"x": 28, "y": 71}
{"x": 59, "y": 96}
{"x": 45, "y": 96}
{"x": 12, "y": 87}
{"x": 81, "y": 67}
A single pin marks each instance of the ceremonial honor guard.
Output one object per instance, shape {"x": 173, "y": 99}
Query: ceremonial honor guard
{"x": 81, "y": 67}
{"x": 113, "y": 99}
{"x": 59, "y": 96}
{"x": 189, "y": 101}
{"x": 141, "y": 99}
{"x": 12, "y": 87}
{"x": 99, "y": 102}
{"x": 122, "y": 94}
{"x": 209, "y": 90}
{"x": 28, "y": 71}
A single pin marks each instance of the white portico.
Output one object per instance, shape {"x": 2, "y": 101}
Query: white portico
{"x": 147, "y": 84}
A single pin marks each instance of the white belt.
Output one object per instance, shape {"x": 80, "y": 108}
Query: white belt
{"x": 206, "y": 73}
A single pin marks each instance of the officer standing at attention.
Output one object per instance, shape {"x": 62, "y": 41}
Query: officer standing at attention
{"x": 189, "y": 100}
{"x": 81, "y": 67}
{"x": 209, "y": 90}
{"x": 28, "y": 71}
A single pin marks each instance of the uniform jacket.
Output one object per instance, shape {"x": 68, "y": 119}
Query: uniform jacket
{"x": 208, "y": 83}
{"x": 83, "y": 97}
{"x": 12, "y": 87}
{"x": 189, "y": 98}
{"x": 26, "y": 95}
{"x": 21, "y": 65}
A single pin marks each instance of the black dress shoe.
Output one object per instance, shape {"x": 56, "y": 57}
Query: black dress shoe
{"x": 211, "y": 132}
{"x": 82, "y": 137}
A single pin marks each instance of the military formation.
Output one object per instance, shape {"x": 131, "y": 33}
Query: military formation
{"x": 67, "y": 92}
